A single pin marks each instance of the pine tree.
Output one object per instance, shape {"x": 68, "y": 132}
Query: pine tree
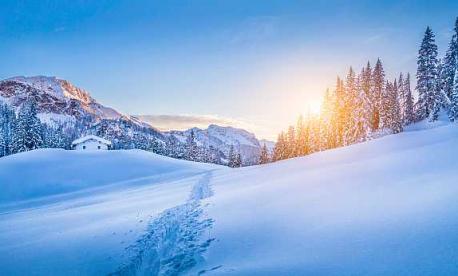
{"x": 366, "y": 79}
{"x": 450, "y": 64}
{"x": 2, "y": 141}
{"x": 280, "y": 148}
{"x": 408, "y": 112}
{"x": 18, "y": 138}
{"x": 238, "y": 160}
{"x": 361, "y": 115}
{"x": 291, "y": 143}
{"x": 395, "y": 108}
{"x": 301, "y": 137}
{"x": 440, "y": 100}
{"x": 454, "y": 99}
{"x": 20, "y": 131}
{"x": 391, "y": 119}
{"x": 401, "y": 95}
{"x": 350, "y": 96}
{"x": 7, "y": 122}
{"x": 232, "y": 158}
{"x": 33, "y": 128}
{"x": 341, "y": 112}
{"x": 377, "y": 88}
{"x": 264, "y": 156}
{"x": 428, "y": 99}
{"x": 329, "y": 120}
{"x": 191, "y": 147}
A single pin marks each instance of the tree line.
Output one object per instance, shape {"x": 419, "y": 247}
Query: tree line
{"x": 367, "y": 105}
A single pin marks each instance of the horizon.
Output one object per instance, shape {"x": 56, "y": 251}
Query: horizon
{"x": 252, "y": 65}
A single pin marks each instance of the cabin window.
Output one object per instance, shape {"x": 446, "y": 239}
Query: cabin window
{"x": 98, "y": 147}
{"x": 84, "y": 147}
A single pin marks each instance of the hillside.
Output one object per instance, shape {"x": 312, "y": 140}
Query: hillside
{"x": 383, "y": 207}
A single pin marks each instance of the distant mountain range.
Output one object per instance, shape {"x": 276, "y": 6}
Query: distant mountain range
{"x": 61, "y": 102}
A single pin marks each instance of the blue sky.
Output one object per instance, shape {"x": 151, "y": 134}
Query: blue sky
{"x": 259, "y": 63}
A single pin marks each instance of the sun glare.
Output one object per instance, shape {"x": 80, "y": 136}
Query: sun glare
{"x": 314, "y": 107}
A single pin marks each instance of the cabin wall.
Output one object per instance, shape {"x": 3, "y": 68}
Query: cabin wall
{"x": 91, "y": 145}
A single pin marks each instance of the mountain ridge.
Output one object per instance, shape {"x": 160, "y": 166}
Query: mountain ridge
{"x": 59, "y": 102}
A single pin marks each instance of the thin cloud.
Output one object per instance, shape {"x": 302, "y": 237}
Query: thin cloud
{"x": 184, "y": 122}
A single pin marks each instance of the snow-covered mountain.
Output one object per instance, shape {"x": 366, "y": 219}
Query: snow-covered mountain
{"x": 54, "y": 96}
{"x": 223, "y": 138}
{"x": 382, "y": 207}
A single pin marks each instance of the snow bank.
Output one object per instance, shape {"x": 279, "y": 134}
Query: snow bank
{"x": 54, "y": 171}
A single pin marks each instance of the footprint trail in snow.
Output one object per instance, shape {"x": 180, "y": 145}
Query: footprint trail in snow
{"x": 172, "y": 242}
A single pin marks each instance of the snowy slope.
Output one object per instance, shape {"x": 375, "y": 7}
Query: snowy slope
{"x": 78, "y": 211}
{"x": 384, "y": 207}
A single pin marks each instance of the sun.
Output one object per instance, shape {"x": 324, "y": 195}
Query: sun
{"x": 314, "y": 107}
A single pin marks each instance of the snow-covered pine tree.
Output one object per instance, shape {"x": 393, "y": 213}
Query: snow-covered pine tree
{"x": 291, "y": 143}
{"x": 361, "y": 114}
{"x": 350, "y": 96}
{"x": 2, "y": 139}
{"x": 428, "y": 99}
{"x": 238, "y": 160}
{"x": 315, "y": 139}
{"x": 395, "y": 110}
{"x": 34, "y": 128}
{"x": 191, "y": 147}
{"x": 440, "y": 100}
{"x": 280, "y": 148}
{"x": 7, "y": 122}
{"x": 302, "y": 137}
{"x": 341, "y": 112}
{"x": 214, "y": 156}
{"x": 390, "y": 116}
{"x": 377, "y": 87}
{"x": 401, "y": 95}
{"x": 385, "y": 122}
{"x": 450, "y": 63}
{"x": 233, "y": 159}
{"x": 408, "y": 104}
{"x": 454, "y": 98}
{"x": 328, "y": 118}
{"x": 264, "y": 156}
{"x": 18, "y": 138}
{"x": 366, "y": 79}
{"x": 325, "y": 121}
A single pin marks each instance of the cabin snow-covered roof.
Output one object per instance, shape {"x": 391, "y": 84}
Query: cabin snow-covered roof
{"x": 89, "y": 137}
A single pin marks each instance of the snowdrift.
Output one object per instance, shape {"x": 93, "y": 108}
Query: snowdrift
{"x": 47, "y": 172}
{"x": 384, "y": 207}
